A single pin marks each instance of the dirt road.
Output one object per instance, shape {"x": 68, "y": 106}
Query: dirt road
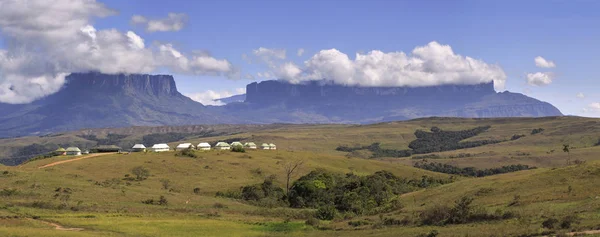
{"x": 76, "y": 159}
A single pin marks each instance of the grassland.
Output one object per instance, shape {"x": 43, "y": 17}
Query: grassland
{"x": 104, "y": 202}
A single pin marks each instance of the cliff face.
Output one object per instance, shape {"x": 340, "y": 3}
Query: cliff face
{"x": 273, "y": 91}
{"x": 94, "y": 100}
{"x": 153, "y": 85}
{"x": 280, "y": 101}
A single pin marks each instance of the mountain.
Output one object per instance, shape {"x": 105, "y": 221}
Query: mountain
{"x": 322, "y": 102}
{"x": 94, "y": 100}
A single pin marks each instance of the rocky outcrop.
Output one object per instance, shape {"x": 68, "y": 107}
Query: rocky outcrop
{"x": 154, "y": 85}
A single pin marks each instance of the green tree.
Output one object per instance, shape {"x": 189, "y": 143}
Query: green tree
{"x": 140, "y": 173}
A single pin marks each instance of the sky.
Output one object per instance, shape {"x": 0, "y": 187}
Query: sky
{"x": 544, "y": 49}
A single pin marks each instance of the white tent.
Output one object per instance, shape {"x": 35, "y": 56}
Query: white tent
{"x": 222, "y": 146}
{"x": 204, "y": 146}
{"x": 250, "y": 145}
{"x": 73, "y": 151}
{"x": 265, "y": 146}
{"x": 272, "y": 146}
{"x": 184, "y": 146}
{"x": 160, "y": 147}
{"x": 138, "y": 147}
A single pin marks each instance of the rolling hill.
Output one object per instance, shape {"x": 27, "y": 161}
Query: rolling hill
{"x": 101, "y": 196}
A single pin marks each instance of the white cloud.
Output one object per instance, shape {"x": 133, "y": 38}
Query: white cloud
{"x": 211, "y": 97}
{"x": 137, "y": 19}
{"x": 539, "y": 78}
{"x": 543, "y": 63}
{"x": 264, "y": 75}
{"x": 580, "y": 95}
{"x": 173, "y": 22}
{"x": 429, "y": 65}
{"x": 595, "y": 106}
{"x": 51, "y": 39}
{"x": 300, "y": 52}
{"x": 248, "y": 76}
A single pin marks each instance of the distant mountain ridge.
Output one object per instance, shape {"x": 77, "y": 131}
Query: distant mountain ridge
{"x": 95, "y": 100}
{"x": 319, "y": 101}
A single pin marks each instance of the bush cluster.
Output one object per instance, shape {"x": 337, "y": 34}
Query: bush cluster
{"x": 469, "y": 171}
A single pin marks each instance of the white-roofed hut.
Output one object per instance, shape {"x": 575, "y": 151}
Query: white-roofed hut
{"x": 73, "y": 151}
{"x": 222, "y": 146}
{"x": 184, "y": 146}
{"x": 138, "y": 148}
{"x": 250, "y": 145}
{"x": 265, "y": 146}
{"x": 161, "y": 147}
{"x": 272, "y": 147}
{"x": 204, "y": 146}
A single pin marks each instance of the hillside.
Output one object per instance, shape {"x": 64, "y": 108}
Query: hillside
{"x": 101, "y": 195}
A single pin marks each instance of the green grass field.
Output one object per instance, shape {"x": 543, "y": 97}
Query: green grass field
{"x": 101, "y": 202}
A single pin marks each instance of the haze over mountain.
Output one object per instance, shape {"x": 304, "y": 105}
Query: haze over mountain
{"x": 93, "y": 100}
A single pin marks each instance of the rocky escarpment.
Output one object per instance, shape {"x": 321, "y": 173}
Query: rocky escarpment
{"x": 318, "y": 101}
{"x": 95, "y": 100}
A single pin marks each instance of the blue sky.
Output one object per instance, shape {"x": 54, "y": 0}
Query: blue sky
{"x": 509, "y": 34}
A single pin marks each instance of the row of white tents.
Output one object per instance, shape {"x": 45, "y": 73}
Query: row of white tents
{"x": 203, "y": 146}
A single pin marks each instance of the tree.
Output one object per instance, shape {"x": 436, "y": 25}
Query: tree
{"x": 290, "y": 169}
{"x": 566, "y": 148}
{"x": 140, "y": 173}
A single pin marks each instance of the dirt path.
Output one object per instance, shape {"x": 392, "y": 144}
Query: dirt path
{"x": 76, "y": 159}
{"x": 56, "y": 226}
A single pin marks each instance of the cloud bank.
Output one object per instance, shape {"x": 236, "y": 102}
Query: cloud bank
{"x": 429, "y": 65}
{"x": 48, "y": 40}
{"x": 173, "y": 22}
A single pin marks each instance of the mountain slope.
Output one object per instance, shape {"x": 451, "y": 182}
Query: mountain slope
{"x": 279, "y": 101}
{"x": 92, "y": 100}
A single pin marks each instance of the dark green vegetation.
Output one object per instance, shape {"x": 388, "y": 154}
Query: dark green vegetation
{"x": 437, "y": 140}
{"x": 469, "y": 171}
{"x": 333, "y": 194}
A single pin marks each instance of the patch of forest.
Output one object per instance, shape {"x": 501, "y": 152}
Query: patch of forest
{"x": 436, "y": 140}
{"x": 334, "y": 194}
{"x": 469, "y": 171}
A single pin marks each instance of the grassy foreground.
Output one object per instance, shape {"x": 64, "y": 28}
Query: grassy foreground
{"x": 100, "y": 196}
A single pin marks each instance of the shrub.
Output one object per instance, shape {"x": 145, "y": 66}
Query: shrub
{"x": 568, "y": 221}
{"x": 196, "y": 190}
{"x": 140, "y": 173}
{"x": 550, "y": 223}
{"x": 516, "y": 136}
{"x": 148, "y": 201}
{"x": 238, "y": 149}
{"x": 7, "y": 192}
{"x": 312, "y": 221}
{"x": 187, "y": 153}
{"x": 326, "y": 213}
{"x": 162, "y": 201}
{"x": 536, "y": 131}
